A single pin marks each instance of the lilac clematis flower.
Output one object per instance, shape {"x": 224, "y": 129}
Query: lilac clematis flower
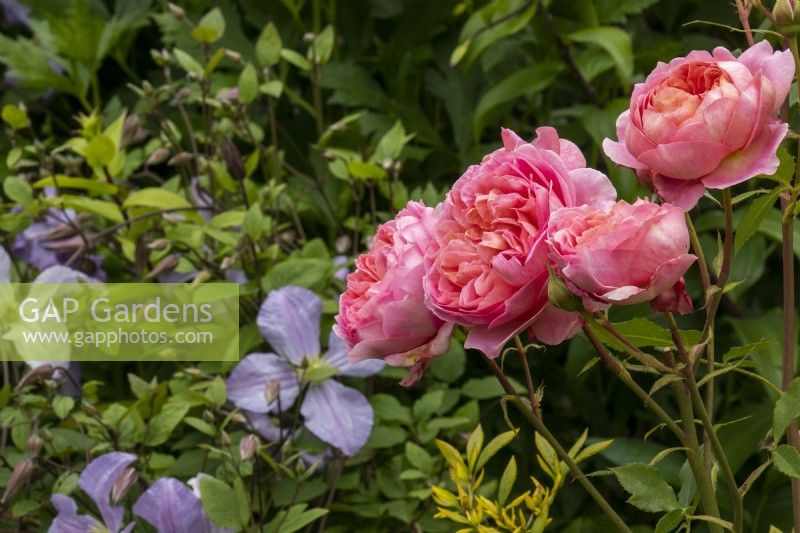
{"x": 172, "y": 507}
{"x": 5, "y": 266}
{"x": 15, "y": 13}
{"x": 96, "y": 480}
{"x": 289, "y": 320}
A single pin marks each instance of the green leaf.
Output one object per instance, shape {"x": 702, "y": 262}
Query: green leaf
{"x": 753, "y": 217}
{"x": 83, "y": 184}
{"x": 391, "y": 144}
{"x": 670, "y": 521}
{"x": 303, "y": 272}
{"x": 489, "y": 24}
{"x": 526, "y": 81}
{"x": 295, "y": 519}
{"x": 593, "y": 449}
{"x": 15, "y": 116}
{"x": 474, "y": 445}
{"x": 248, "y": 84}
{"x": 62, "y": 405}
{"x": 155, "y": 197}
{"x": 322, "y": 47}
{"x": 428, "y": 404}
{"x": 220, "y": 502}
{"x": 419, "y": 457}
{"x": 101, "y": 208}
{"x": 507, "y": 481}
{"x": 616, "y": 42}
{"x": 389, "y": 409}
{"x": 268, "y": 46}
{"x": 785, "y": 172}
{"x": 164, "y": 423}
{"x": 648, "y": 490}
{"x": 187, "y": 62}
{"x": 494, "y": 446}
{"x": 217, "y": 392}
{"x": 787, "y": 409}
{"x": 242, "y": 500}
{"x": 273, "y": 88}
{"x": 365, "y": 171}
{"x": 253, "y": 225}
{"x": 642, "y": 332}
{"x": 787, "y": 460}
{"x": 18, "y": 190}
{"x": 210, "y": 28}
{"x": 295, "y": 59}
{"x": 100, "y": 151}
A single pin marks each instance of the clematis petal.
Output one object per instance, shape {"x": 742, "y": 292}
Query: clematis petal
{"x": 338, "y": 415}
{"x": 247, "y": 384}
{"x": 97, "y": 480}
{"x": 67, "y": 519}
{"x": 62, "y": 274}
{"x": 170, "y": 507}
{"x": 289, "y": 321}
{"x": 337, "y": 356}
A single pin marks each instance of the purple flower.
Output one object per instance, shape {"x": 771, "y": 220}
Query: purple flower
{"x": 15, "y": 13}
{"x": 172, "y": 507}
{"x": 289, "y": 321}
{"x": 5, "y": 266}
{"x": 96, "y": 480}
{"x": 344, "y": 270}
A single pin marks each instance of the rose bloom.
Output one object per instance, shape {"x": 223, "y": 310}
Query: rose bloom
{"x": 705, "y": 120}
{"x": 487, "y": 269}
{"x": 382, "y": 313}
{"x": 629, "y": 254}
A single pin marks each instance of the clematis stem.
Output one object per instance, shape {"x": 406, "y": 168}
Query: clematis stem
{"x": 686, "y": 435}
{"x": 539, "y": 426}
{"x": 787, "y": 235}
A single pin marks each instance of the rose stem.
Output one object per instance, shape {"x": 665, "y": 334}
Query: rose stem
{"x": 539, "y": 426}
{"x": 710, "y": 434}
{"x": 687, "y": 435}
{"x": 528, "y": 379}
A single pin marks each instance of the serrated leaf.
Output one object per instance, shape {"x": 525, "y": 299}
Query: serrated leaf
{"x": 648, "y": 490}
{"x": 670, "y": 521}
{"x": 787, "y": 460}
{"x": 753, "y": 217}
{"x": 787, "y": 409}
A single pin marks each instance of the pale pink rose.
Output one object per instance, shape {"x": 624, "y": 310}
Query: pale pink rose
{"x": 487, "y": 269}
{"x": 382, "y": 313}
{"x": 705, "y": 121}
{"x": 624, "y": 255}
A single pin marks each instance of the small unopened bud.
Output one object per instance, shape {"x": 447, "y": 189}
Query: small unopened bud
{"x": 233, "y": 55}
{"x": 41, "y": 372}
{"x": 201, "y": 277}
{"x": 272, "y": 390}
{"x": 387, "y": 163}
{"x": 179, "y": 159}
{"x": 233, "y": 159}
{"x": 158, "y": 244}
{"x": 181, "y": 95}
{"x": 308, "y": 37}
{"x": 560, "y": 296}
{"x": 176, "y": 11}
{"x": 192, "y": 76}
{"x": 164, "y": 266}
{"x": 147, "y": 87}
{"x": 248, "y": 446}
{"x": 132, "y": 131}
{"x": 157, "y": 58}
{"x": 208, "y": 416}
{"x": 89, "y": 409}
{"x": 123, "y": 484}
{"x": 21, "y": 474}
{"x": 784, "y": 12}
{"x": 227, "y": 263}
{"x": 158, "y": 156}
{"x": 194, "y": 372}
{"x": 224, "y": 438}
{"x": 34, "y": 445}
{"x": 343, "y": 244}
{"x": 238, "y": 417}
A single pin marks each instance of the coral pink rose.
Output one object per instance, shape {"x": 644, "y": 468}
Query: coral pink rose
{"x": 382, "y": 313}
{"x": 626, "y": 255}
{"x": 488, "y": 267}
{"x": 705, "y": 120}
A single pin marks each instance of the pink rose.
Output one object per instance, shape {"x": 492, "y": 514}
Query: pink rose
{"x": 382, "y": 313}
{"x": 626, "y": 255}
{"x": 705, "y": 121}
{"x": 487, "y": 268}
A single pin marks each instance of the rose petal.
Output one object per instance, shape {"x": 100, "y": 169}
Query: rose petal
{"x": 680, "y": 193}
{"x": 686, "y": 160}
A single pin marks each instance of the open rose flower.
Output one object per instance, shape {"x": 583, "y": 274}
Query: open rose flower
{"x": 705, "y": 120}
{"x": 488, "y": 266}
{"x": 629, "y": 254}
{"x": 382, "y": 314}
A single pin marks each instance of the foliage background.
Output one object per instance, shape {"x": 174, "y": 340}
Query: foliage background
{"x": 450, "y": 74}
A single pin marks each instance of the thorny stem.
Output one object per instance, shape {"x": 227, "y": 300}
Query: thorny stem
{"x": 528, "y": 378}
{"x": 705, "y": 418}
{"x": 539, "y": 426}
{"x": 645, "y": 358}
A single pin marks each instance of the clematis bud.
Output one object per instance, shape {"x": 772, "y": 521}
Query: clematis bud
{"x": 123, "y": 484}
{"x": 227, "y": 263}
{"x": 132, "y": 131}
{"x": 233, "y": 159}
{"x": 225, "y": 439}
{"x": 21, "y": 474}
{"x": 158, "y": 244}
{"x": 272, "y": 390}
{"x": 39, "y": 373}
{"x": 158, "y": 156}
{"x": 248, "y": 446}
{"x": 34, "y": 445}
{"x": 176, "y": 11}
{"x": 164, "y": 266}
